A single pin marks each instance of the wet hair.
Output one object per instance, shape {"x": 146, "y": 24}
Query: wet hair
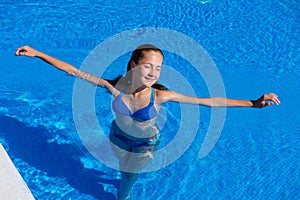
{"x": 137, "y": 55}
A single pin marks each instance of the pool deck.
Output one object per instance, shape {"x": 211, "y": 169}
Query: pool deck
{"x": 12, "y": 185}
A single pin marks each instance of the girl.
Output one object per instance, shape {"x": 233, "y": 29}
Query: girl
{"x": 138, "y": 98}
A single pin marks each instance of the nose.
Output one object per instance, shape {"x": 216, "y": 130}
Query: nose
{"x": 151, "y": 72}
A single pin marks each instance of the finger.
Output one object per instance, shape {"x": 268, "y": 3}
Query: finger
{"x": 272, "y": 97}
{"x": 19, "y": 51}
{"x": 276, "y": 100}
{"x": 22, "y": 51}
{"x": 270, "y": 103}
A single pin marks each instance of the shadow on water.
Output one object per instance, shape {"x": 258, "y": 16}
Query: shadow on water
{"x": 58, "y": 160}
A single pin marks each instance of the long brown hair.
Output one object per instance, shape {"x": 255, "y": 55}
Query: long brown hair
{"x": 136, "y": 55}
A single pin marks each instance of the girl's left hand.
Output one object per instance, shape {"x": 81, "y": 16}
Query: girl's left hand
{"x": 266, "y": 100}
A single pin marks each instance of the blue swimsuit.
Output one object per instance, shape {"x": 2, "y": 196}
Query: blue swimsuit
{"x": 145, "y": 115}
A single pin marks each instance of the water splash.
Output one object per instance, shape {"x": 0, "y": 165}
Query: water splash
{"x": 204, "y": 1}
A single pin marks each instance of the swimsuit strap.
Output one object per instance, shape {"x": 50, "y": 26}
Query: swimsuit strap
{"x": 152, "y": 95}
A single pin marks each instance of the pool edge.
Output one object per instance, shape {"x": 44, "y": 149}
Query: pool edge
{"x": 12, "y": 185}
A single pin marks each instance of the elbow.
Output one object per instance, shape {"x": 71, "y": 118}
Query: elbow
{"x": 215, "y": 105}
{"x": 218, "y": 102}
{"x": 73, "y": 72}
{"x": 103, "y": 83}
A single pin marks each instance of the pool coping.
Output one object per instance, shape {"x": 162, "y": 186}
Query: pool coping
{"x": 12, "y": 185}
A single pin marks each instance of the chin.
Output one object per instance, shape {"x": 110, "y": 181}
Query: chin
{"x": 149, "y": 85}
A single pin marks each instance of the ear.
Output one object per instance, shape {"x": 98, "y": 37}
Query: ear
{"x": 132, "y": 65}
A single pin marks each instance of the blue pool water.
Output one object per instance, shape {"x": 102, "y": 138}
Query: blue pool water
{"x": 255, "y": 45}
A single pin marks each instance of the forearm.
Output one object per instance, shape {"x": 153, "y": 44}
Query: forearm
{"x": 63, "y": 66}
{"x": 226, "y": 102}
{"x": 71, "y": 70}
{"x": 223, "y": 102}
{"x": 210, "y": 102}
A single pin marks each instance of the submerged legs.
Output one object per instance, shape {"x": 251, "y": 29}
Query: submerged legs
{"x": 127, "y": 181}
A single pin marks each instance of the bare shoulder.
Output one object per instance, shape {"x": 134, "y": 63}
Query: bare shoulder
{"x": 162, "y": 96}
{"x": 115, "y": 92}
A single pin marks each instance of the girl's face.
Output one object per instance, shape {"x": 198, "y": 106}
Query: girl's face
{"x": 147, "y": 71}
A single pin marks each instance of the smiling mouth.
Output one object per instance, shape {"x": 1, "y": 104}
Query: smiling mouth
{"x": 150, "y": 79}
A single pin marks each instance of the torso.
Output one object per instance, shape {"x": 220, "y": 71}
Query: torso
{"x": 141, "y": 107}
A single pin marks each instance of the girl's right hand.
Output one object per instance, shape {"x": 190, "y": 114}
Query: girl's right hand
{"x": 26, "y": 51}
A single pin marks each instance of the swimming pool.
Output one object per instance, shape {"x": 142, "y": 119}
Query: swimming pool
{"x": 255, "y": 46}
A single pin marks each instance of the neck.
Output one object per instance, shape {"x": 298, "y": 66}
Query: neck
{"x": 138, "y": 90}
{"x": 134, "y": 88}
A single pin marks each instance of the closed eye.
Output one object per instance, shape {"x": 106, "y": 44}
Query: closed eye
{"x": 147, "y": 65}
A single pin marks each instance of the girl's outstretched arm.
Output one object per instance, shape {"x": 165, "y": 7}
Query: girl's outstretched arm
{"x": 63, "y": 66}
{"x": 263, "y": 101}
